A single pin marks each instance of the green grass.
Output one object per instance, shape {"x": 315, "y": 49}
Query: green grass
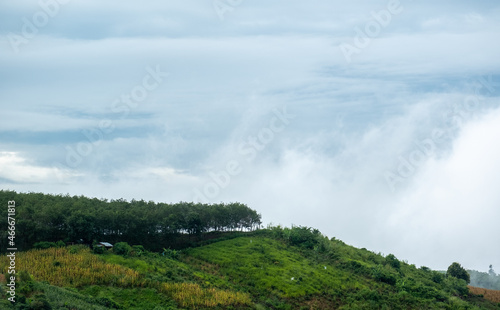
{"x": 134, "y": 263}
{"x": 266, "y": 265}
{"x": 136, "y": 299}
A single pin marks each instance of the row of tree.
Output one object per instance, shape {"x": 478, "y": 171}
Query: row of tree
{"x": 41, "y": 217}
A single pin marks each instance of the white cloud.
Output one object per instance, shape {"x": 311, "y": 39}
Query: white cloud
{"x": 451, "y": 210}
{"x": 18, "y": 169}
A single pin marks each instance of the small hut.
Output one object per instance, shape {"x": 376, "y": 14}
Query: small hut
{"x": 105, "y": 245}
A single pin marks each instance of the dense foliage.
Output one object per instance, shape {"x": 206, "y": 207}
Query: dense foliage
{"x": 80, "y": 219}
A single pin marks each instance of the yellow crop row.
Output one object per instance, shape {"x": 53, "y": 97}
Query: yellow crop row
{"x": 60, "y": 267}
{"x": 192, "y": 295}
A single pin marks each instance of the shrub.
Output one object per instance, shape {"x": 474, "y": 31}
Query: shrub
{"x": 173, "y": 254}
{"x": 383, "y": 275}
{"x": 122, "y": 248}
{"x": 24, "y": 276}
{"x": 355, "y": 267}
{"x": 98, "y": 250}
{"x": 392, "y": 261}
{"x": 26, "y": 282}
{"x": 74, "y": 249}
{"x": 137, "y": 250}
{"x": 456, "y": 286}
{"x": 44, "y": 245}
{"x": 40, "y": 303}
{"x": 107, "y": 303}
{"x": 303, "y": 236}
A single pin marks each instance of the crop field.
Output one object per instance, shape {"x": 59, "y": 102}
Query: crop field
{"x": 492, "y": 295}
{"x": 78, "y": 267}
{"x": 75, "y": 267}
{"x": 192, "y": 295}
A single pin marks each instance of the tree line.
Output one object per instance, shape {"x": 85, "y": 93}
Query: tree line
{"x": 79, "y": 219}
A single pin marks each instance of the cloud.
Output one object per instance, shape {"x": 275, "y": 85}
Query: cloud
{"x": 18, "y": 170}
{"x": 450, "y": 210}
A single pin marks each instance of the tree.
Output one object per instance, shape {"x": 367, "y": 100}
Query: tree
{"x": 491, "y": 271}
{"x": 80, "y": 219}
{"x": 457, "y": 271}
{"x": 81, "y": 226}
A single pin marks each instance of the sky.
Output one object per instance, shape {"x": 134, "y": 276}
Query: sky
{"x": 376, "y": 122}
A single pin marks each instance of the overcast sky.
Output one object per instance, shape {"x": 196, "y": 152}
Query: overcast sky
{"x": 376, "y": 122}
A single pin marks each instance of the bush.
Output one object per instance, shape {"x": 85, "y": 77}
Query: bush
{"x": 392, "y": 261}
{"x": 173, "y": 254}
{"x": 357, "y": 267}
{"x": 74, "y": 249}
{"x": 137, "y": 250}
{"x": 24, "y": 276}
{"x": 456, "y": 286}
{"x": 98, "y": 250}
{"x": 122, "y": 248}
{"x": 42, "y": 245}
{"x": 383, "y": 275}
{"x": 303, "y": 236}
{"x": 40, "y": 303}
{"x": 107, "y": 303}
{"x": 26, "y": 282}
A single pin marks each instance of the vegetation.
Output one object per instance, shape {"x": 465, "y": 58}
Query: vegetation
{"x": 75, "y": 267}
{"x": 122, "y": 248}
{"x": 192, "y": 295}
{"x": 272, "y": 268}
{"x": 457, "y": 271}
{"x": 52, "y": 218}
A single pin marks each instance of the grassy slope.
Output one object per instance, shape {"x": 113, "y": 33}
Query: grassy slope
{"x": 279, "y": 275}
{"x": 274, "y": 274}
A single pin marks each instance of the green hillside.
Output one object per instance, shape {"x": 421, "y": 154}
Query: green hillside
{"x": 276, "y": 268}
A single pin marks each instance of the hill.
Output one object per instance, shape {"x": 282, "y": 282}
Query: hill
{"x": 211, "y": 266}
{"x": 275, "y": 268}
